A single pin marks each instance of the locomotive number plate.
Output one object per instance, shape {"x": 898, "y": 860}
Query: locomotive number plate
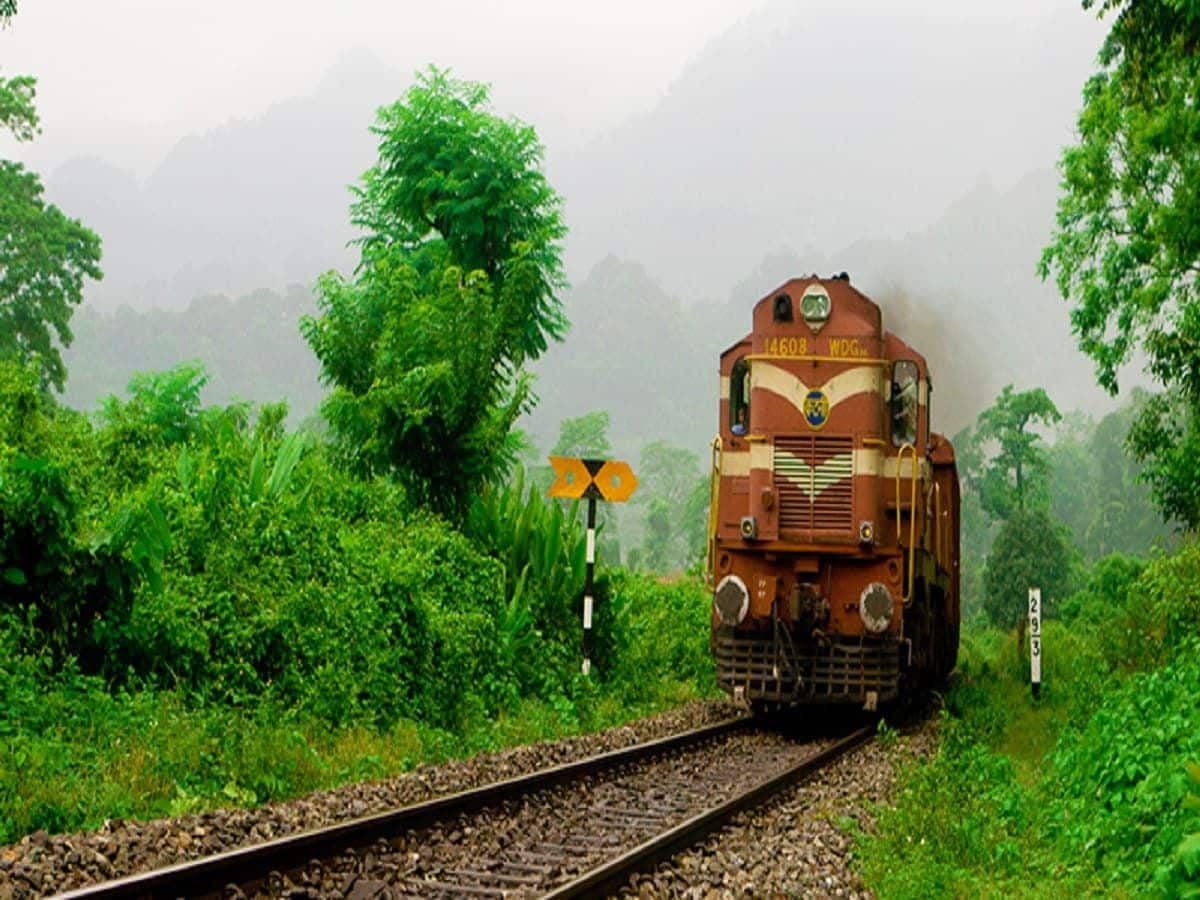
{"x": 840, "y": 347}
{"x": 787, "y": 346}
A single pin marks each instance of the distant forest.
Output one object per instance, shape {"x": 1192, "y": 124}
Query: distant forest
{"x": 251, "y": 348}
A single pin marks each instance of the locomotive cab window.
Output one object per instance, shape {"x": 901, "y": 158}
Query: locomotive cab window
{"x": 905, "y": 379}
{"x": 739, "y": 397}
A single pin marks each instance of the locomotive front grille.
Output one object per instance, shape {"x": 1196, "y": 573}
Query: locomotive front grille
{"x": 838, "y": 671}
{"x": 814, "y": 478}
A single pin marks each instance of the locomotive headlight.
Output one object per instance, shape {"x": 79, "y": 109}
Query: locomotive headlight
{"x": 866, "y": 532}
{"x": 731, "y": 600}
{"x": 815, "y": 306}
{"x": 875, "y": 606}
{"x": 749, "y": 528}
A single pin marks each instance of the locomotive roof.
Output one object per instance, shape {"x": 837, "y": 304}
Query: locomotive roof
{"x": 841, "y": 292}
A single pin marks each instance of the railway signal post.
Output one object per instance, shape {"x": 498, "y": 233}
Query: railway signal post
{"x": 1035, "y": 642}
{"x": 593, "y": 479}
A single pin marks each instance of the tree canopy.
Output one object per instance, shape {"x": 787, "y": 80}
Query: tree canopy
{"x": 457, "y": 288}
{"x": 455, "y": 181}
{"x": 44, "y": 255}
{"x": 1126, "y": 250}
{"x": 1005, "y": 457}
{"x": 584, "y": 436}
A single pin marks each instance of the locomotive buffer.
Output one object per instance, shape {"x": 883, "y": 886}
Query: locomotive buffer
{"x": 593, "y": 479}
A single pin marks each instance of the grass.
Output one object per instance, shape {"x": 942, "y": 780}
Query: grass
{"x": 1080, "y": 793}
{"x": 75, "y": 755}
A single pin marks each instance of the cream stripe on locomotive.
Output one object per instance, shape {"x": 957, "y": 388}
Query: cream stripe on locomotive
{"x": 871, "y": 461}
{"x": 866, "y": 461}
{"x": 859, "y": 380}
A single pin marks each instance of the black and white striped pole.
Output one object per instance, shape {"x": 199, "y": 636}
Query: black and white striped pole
{"x": 587, "y": 585}
{"x": 1035, "y": 642}
{"x": 593, "y": 479}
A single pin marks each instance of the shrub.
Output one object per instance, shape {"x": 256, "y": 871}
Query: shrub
{"x": 1031, "y": 549}
{"x": 655, "y": 630}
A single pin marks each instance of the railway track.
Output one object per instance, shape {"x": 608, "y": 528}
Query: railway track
{"x": 578, "y": 829}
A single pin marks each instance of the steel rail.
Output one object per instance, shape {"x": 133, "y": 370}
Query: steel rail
{"x": 611, "y": 876}
{"x": 210, "y": 874}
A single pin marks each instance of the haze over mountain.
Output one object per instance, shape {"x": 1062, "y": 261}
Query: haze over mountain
{"x": 255, "y": 203}
{"x": 823, "y": 128}
{"x": 797, "y": 126}
{"x": 913, "y": 149}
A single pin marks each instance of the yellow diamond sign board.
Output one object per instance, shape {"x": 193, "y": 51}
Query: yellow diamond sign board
{"x": 604, "y": 479}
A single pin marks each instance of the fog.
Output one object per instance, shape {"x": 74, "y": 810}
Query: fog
{"x": 706, "y": 150}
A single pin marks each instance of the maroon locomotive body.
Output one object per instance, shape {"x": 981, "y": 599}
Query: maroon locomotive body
{"x": 834, "y": 526}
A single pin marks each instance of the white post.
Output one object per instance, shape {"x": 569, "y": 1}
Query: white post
{"x": 586, "y": 668}
{"x": 1035, "y": 641}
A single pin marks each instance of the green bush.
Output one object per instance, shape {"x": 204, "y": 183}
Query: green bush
{"x": 199, "y": 609}
{"x": 1086, "y": 789}
{"x": 655, "y": 630}
{"x": 1031, "y": 549}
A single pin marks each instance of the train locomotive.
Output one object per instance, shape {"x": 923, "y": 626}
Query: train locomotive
{"x": 834, "y": 521}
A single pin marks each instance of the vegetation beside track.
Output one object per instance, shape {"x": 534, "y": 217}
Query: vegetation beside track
{"x": 1084, "y": 791}
{"x": 199, "y": 608}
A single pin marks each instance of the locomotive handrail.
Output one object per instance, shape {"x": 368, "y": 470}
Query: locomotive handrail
{"x": 912, "y": 513}
{"x": 937, "y": 521}
{"x": 714, "y": 495}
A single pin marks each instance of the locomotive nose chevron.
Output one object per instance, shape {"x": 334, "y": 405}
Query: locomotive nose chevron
{"x": 812, "y": 480}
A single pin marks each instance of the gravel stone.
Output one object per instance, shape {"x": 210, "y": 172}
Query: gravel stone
{"x": 793, "y": 846}
{"x": 41, "y": 863}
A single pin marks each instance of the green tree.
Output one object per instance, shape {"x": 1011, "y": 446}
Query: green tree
{"x": 1007, "y": 474}
{"x": 456, "y": 182}
{"x": 1031, "y": 549}
{"x": 584, "y": 436}
{"x": 44, "y": 255}
{"x": 674, "y": 496}
{"x": 456, "y": 290}
{"x": 1126, "y": 250}
{"x": 1014, "y": 474}
{"x": 1096, "y": 486}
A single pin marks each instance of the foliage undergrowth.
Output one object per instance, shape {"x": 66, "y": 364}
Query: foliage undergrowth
{"x": 1081, "y": 792}
{"x": 198, "y": 608}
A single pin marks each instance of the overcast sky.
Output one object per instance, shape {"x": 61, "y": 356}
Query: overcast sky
{"x": 126, "y": 79}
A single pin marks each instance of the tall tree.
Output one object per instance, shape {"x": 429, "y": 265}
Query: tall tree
{"x": 1008, "y": 461}
{"x": 674, "y": 496}
{"x": 1126, "y": 250}
{"x": 584, "y": 436}
{"x": 455, "y": 181}
{"x": 1004, "y": 464}
{"x": 456, "y": 290}
{"x": 44, "y": 255}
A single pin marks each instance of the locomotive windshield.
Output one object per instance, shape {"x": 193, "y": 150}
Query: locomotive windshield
{"x": 739, "y": 397}
{"x": 904, "y": 402}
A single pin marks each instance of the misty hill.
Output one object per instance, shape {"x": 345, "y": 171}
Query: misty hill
{"x": 821, "y": 127}
{"x": 796, "y": 127}
{"x": 250, "y": 346}
{"x": 259, "y": 202}
{"x": 963, "y": 291}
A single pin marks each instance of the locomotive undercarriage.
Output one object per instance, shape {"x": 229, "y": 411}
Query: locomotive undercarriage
{"x": 780, "y": 666}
